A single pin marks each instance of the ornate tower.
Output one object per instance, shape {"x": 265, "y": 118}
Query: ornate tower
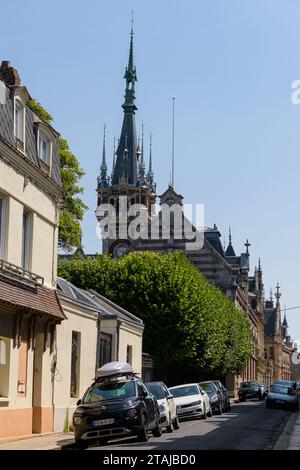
{"x": 128, "y": 178}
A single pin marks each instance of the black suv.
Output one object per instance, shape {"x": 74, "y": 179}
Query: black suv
{"x": 216, "y": 401}
{"x": 223, "y": 393}
{"x": 115, "y": 408}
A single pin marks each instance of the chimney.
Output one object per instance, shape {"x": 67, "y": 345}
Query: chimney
{"x": 9, "y": 74}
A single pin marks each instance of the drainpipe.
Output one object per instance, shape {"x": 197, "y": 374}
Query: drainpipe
{"x": 98, "y": 341}
{"x": 53, "y": 370}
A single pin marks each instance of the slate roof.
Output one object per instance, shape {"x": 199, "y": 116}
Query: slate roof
{"x": 38, "y": 298}
{"x": 270, "y": 319}
{"x": 95, "y": 301}
{"x": 230, "y": 251}
{"x": 7, "y": 134}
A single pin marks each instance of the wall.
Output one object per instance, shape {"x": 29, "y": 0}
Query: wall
{"x": 43, "y": 210}
{"x": 85, "y": 322}
{"x": 129, "y": 335}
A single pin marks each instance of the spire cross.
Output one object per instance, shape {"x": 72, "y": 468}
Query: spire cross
{"x": 103, "y": 152}
{"x": 247, "y": 244}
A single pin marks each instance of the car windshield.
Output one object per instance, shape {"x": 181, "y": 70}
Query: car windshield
{"x": 210, "y": 387}
{"x": 109, "y": 391}
{"x": 248, "y": 384}
{"x": 184, "y": 391}
{"x": 282, "y": 389}
{"x": 156, "y": 390}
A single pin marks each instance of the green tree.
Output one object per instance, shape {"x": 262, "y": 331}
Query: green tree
{"x": 188, "y": 322}
{"x": 72, "y": 208}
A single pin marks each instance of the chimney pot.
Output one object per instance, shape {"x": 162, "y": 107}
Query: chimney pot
{"x": 9, "y": 74}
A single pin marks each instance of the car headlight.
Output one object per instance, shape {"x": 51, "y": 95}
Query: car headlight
{"x": 77, "y": 420}
{"x": 162, "y": 407}
{"x": 198, "y": 402}
{"x": 131, "y": 413}
{"x": 214, "y": 397}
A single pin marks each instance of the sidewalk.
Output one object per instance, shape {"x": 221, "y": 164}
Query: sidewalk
{"x": 294, "y": 441}
{"x": 45, "y": 442}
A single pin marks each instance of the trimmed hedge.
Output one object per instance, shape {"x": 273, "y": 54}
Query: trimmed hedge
{"x": 188, "y": 322}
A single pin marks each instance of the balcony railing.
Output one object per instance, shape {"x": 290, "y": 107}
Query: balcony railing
{"x": 15, "y": 272}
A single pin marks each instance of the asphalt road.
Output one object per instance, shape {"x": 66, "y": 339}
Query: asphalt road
{"x": 248, "y": 426}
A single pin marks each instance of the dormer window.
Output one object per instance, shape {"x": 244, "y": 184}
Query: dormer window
{"x": 44, "y": 144}
{"x": 19, "y": 121}
{"x": 44, "y": 148}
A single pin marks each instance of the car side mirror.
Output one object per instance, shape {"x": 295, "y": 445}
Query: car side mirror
{"x": 169, "y": 397}
{"x": 79, "y": 402}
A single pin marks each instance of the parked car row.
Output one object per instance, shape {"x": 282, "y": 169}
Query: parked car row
{"x": 120, "y": 404}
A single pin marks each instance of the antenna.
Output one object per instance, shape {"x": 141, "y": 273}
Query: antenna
{"x": 173, "y": 147}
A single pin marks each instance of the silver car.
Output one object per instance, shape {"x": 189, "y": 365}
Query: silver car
{"x": 282, "y": 396}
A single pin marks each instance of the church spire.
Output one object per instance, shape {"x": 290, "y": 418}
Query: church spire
{"x": 150, "y": 174}
{"x": 103, "y": 180}
{"x": 131, "y": 78}
{"x": 142, "y": 178}
{"x": 126, "y": 163}
{"x": 230, "y": 251}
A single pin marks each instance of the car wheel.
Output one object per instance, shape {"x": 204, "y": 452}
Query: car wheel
{"x": 242, "y": 399}
{"x": 204, "y": 416}
{"x": 157, "y": 430}
{"x": 220, "y": 409}
{"x": 169, "y": 427}
{"x": 210, "y": 413}
{"x": 143, "y": 434}
{"x": 81, "y": 444}
{"x": 176, "y": 423}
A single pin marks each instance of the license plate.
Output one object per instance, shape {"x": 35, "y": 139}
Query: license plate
{"x": 103, "y": 422}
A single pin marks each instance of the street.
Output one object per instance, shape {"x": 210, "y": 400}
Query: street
{"x": 248, "y": 426}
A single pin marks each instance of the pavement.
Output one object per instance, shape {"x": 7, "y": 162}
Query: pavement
{"x": 289, "y": 439}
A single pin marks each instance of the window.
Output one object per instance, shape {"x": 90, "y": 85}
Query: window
{"x": 44, "y": 148}
{"x": 105, "y": 349}
{"x": 20, "y": 124}
{"x": 26, "y": 240}
{"x": 75, "y": 364}
{"x": 129, "y": 354}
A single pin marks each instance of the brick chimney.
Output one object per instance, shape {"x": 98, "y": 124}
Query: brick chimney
{"x": 9, "y": 74}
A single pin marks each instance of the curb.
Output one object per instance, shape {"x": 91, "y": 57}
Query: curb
{"x": 282, "y": 442}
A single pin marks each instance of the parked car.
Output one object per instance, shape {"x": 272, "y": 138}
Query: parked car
{"x": 223, "y": 392}
{"x": 282, "y": 396}
{"x": 287, "y": 383}
{"x": 215, "y": 399}
{"x": 117, "y": 404}
{"x": 166, "y": 404}
{"x": 250, "y": 389}
{"x": 190, "y": 402}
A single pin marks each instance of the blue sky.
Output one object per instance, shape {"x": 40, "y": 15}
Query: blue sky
{"x": 230, "y": 65}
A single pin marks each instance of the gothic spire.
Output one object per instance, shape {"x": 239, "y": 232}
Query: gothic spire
{"x": 230, "y": 251}
{"x": 114, "y": 159}
{"x": 150, "y": 174}
{"x": 126, "y": 162}
{"x": 103, "y": 180}
{"x": 141, "y": 178}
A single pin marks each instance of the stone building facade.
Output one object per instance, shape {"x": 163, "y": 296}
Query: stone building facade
{"x": 30, "y": 191}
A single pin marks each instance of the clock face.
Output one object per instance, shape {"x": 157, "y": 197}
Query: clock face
{"x": 120, "y": 250}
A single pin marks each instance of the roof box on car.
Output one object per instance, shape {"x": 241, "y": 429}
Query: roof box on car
{"x": 114, "y": 368}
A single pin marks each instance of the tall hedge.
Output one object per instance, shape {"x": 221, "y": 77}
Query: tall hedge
{"x": 187, "y": 320}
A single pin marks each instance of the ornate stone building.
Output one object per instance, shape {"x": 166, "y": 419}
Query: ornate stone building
{"x": 278, "y": 344}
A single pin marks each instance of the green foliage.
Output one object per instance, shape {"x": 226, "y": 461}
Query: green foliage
{"x": 187, "y": 320}
{"x": 72, "y": 208}
{"x": 40, "y": 111}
